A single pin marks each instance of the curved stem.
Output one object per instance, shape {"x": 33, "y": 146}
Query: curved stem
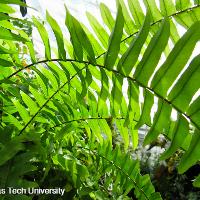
{"x": 43, "y": 61}
{"x": 85, "y": 119}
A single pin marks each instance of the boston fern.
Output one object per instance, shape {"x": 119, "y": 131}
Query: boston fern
{"x": 60, "y": 114}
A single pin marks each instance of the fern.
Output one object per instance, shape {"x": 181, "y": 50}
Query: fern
{"x": 128, "y": 174}
{"x": 82, "y": 88}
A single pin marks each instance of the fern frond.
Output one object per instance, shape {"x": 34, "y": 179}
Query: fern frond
{"x": 80, "y": 85}
{"x": 128, "y": 173}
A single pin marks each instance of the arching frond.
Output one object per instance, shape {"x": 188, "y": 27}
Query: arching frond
{"x": 94, "y": 83}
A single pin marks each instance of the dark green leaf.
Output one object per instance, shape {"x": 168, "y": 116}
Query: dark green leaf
{"x": 161, "y": 122}
{"x": 196, "y": 182}
{"x": 180, "y": 132}
{"x": 5, "y": 63}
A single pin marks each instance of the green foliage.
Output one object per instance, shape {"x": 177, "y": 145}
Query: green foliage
{"x": 61, "y": 114}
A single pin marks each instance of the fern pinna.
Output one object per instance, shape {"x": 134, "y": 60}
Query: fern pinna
{"x": 76, "y": 98}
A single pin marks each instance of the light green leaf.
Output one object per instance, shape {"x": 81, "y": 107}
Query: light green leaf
{"x": 31, "y": 51}
{"x": 58, "y": 34}
{"x": 96, "y": 131}
{"x": 29, "y": 102}
{"x": 96, "y": 44}
{"x": 129, "y": 25}
{"x": 167, "y": 7}
{"x": 187, "y": 85}
{"x": 98, "y": 29}
{"x": 130, "y": 57}
{"x": 18, "y": 2}
{"x": 182, "y": 4}
{"x": 22, "y": 110}
{"x": 5, "y": 34}
{"x": 124, "y": 133}
{"x": 42, "y": 81}
{"x": 104, "y": 94}
{"x": 4, "y": 16}
{"x": 107, "y": 16}
{"x": 176, "y": 60}
{"x": 92, "y": 103}
{"x": 192, "y": 155}
{"x": 152, "y": 7}
{"x": 6, "y": 9}
{"x": 114, "y": 41}
{"x": 194, "y": 112}
{"x": 4, "y": 50}
{"x": 136, "y": 12}
{"x": 44, "y": 35}
{"x": 60, "y": 75}
{"x": 105, "y": 85}
{"x": 134, "y": 134}
{"x": 116, "y": 94}
{"x": 133, "y": 113}
{"x": 78, "y": 49}
{"x": 152, "y": 55}
{"x": 186, "y": 20}
{"x": 146, "y": 110}
{"x": 105, "y": 129}
{"x": 79, "y": 37}
{"x": 38, "y": 96}
{"x": 12, "y": 120}
{"x": 50, "y": 76}
{"x": 180, "y": 132}
{"x": 194, "y": 107}
{"x": 174, "y": 32}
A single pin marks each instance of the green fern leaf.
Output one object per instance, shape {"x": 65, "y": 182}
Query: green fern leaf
{"x": 114, "y": 41}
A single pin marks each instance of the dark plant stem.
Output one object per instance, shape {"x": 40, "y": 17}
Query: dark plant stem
{"x": 85, "y": 119}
